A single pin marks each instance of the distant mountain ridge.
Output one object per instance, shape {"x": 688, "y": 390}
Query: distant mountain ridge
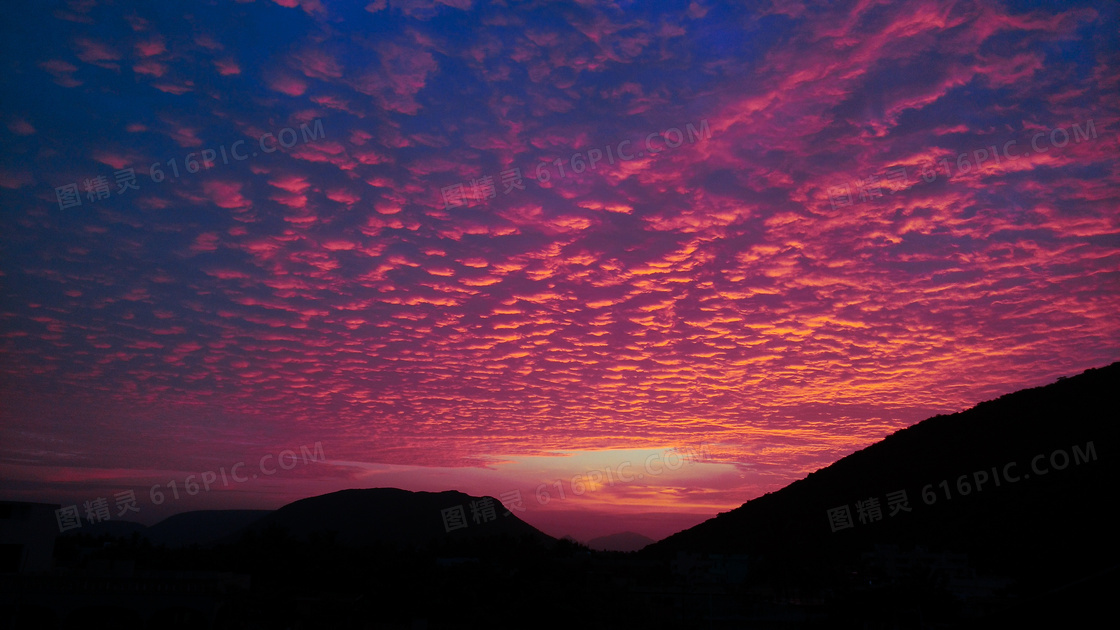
{"x": 393, "y": 516}
{"x": 622, "y": 541}
{"x": 354, "y": 517}
{"x": 199, "y": 527}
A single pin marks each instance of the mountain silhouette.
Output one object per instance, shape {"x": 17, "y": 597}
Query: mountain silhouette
{"x": 110, "y": 528}
{"x": 397, "y": 517}
{"x": 1046, "y": 525}
{"x": 201, "y": 527}
{"x": 622, "y": 541}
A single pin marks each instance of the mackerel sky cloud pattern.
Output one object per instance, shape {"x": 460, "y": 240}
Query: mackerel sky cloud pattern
{"x": 713, "y": 293}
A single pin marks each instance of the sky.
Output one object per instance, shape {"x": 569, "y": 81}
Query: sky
{"x": 493, "y": 247}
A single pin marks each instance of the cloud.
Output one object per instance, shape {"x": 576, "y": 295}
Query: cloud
{"x": 464, "y": 266}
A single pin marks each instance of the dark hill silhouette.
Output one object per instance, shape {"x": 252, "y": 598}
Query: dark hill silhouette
{"x": 392, "y": 516}
{"x": 201, "y": 527}
{"x": 623, "y": 541}
{"x": 1045, "y": 531}
{"x": 110, "y": 528}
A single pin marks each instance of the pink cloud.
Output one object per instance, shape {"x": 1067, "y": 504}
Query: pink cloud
{"x": 287, "y": 84}
{"x": 153, "y": 68}
{"x": 151, "y": 47}
{"x": 227, "y": 67}
{"x": 97, "y": 53}
{"x": 20, "y": 127}
{"x": 225, "y": 194}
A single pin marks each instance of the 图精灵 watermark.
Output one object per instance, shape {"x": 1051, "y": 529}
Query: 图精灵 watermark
{"x": 483, "y": 188}
{"x": 870, "y": 509}
{"x": 98, "y": 188}
{"x": 97, "y": 510}
{"x": 896, "y": 178}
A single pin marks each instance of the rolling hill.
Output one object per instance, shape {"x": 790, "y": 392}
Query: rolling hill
{"x": 1020, "y": 485}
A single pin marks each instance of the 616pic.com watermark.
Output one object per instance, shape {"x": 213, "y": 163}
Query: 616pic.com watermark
{"x": 484, "y": 509}
{"x": 871, "y": 187}
{"x": 97, "y": 510}
{"x": 483, "y": 188}
{"x": 870, "y": 510}
{"x": 97, "y": 188}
